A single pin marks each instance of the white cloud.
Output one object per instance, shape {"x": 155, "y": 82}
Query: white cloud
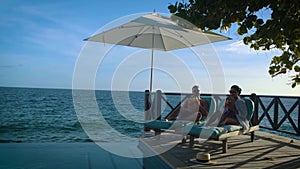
{"x": 239, "y": 49}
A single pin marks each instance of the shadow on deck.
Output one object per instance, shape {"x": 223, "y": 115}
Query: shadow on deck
{"x": 267, "y": 151}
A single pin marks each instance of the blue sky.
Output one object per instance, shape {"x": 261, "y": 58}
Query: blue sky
{"x": 42, "y": 40}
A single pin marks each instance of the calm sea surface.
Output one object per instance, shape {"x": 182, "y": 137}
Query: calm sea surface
{"x": 48, "y": 115}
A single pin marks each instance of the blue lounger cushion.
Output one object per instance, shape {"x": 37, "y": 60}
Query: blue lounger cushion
{"x": 158, "y": 124}
{"x": 213, "y": 132}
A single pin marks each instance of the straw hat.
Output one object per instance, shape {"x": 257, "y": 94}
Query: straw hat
{"x": 203, "y": 157}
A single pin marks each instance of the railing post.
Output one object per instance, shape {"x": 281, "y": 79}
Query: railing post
{"x": 147, "y": 105}
{"x": 298, "y": 132}
{"x": 254, "y": 119}
{"x": 147, "y": 101}
{"x": 276, "y": 112}
{"x": 158, "y": 104}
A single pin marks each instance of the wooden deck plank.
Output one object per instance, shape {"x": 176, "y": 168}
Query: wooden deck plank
{"x": 267, "y": 151}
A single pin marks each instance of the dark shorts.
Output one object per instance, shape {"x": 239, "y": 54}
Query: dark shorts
{"x": 228, "y": 114}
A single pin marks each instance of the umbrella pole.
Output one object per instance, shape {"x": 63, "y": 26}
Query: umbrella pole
{"x": 151, "y": 74}
{"x": 152, "y": 55}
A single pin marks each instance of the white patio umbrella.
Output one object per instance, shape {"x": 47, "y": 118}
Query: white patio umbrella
{"x": 156, "y": 32}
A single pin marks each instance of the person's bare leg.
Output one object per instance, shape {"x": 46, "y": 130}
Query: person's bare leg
{"x": 232, "y": 121}
{"x": 228, "y": 121}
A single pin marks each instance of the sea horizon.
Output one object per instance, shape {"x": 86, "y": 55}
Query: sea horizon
{"x": 204, "y": 93}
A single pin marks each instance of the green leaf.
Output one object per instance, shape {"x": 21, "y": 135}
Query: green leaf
{"x": 242, "y": 30}
{"x": 172, "y": 8}
{"x": 297, "y": 68}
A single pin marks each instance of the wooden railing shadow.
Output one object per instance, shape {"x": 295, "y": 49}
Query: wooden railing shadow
{"x": 267, "y": 149}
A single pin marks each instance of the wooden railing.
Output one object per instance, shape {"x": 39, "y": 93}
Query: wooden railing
{"x": 276, "y": 113}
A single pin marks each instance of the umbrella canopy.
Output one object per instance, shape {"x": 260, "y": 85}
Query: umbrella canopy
{"x": 156, "y": 32}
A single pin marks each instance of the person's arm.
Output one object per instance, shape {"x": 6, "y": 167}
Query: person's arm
{"x": 231, "y": 105}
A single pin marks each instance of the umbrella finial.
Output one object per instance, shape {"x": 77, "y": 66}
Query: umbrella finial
{"x": 154, "y": 12}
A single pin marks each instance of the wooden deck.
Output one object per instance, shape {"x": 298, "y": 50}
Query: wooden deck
{"x": 267, "y": 151}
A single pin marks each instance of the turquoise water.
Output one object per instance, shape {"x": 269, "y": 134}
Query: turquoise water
{"x": 48, "y": 115}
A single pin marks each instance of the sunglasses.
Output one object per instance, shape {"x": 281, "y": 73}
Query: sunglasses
{"x": 232, "y": 91}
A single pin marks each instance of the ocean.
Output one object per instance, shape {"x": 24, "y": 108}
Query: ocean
{"x": 33, "y": 115}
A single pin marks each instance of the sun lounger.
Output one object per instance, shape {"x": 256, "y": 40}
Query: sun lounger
{"x": 170, "y": 122}
{"x": 221, "y": 133}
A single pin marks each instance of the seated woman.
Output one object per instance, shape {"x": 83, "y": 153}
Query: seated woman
{"x": 194, "y": 108}
{"x": 235, "y": 110}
